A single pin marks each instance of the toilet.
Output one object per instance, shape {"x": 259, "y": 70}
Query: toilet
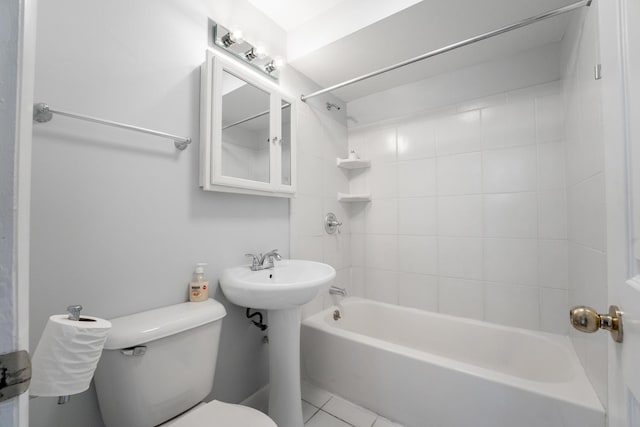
{"x": 158, "y": 365}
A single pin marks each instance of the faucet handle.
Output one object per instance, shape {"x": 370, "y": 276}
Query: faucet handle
{"x": 255, "y": 259}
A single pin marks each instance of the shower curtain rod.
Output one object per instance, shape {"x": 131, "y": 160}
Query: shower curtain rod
{"x": 484, "y": 36}
{"x": 42, "y": 113}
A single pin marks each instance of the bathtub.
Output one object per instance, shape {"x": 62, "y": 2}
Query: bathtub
{"x": 424, "y": 369}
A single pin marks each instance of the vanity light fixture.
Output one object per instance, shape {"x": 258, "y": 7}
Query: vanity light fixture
{"x": 275, "y": 64}
{"x": 255, "y": 52}
{"x": 270, "y": 67}
{"x": 232, "y": 41}
{"x": 232, "y": 37}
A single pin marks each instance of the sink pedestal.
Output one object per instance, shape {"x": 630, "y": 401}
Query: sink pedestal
{"x": 285, "y": 407}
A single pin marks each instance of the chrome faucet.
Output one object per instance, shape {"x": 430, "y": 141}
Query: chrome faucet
{"x": 258, "y": 261}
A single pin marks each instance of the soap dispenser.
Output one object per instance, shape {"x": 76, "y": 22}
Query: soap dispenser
{"x": 198, "y": 287}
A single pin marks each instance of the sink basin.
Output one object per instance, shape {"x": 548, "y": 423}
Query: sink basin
{"x": 290, "y": 283}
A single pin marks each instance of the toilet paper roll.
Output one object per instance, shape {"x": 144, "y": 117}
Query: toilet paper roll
{"x": 67, "y": 355}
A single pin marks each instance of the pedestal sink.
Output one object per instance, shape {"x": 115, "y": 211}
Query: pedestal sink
{"x": 281, "y": 290}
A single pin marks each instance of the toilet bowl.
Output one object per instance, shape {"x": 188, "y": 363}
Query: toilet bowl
{"x": 220, "y": 414}
{"x": 157, "y": 366}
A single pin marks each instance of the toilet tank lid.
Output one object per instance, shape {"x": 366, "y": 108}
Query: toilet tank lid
{"x": 140, "y": 328}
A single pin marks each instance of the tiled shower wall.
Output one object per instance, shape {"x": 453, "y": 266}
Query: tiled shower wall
{"x": 320, "y": 142}
{"x": 586, "y": 210}
{"x": 468, "y": 215}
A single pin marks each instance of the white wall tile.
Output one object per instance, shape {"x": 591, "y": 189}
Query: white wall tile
{"x": 553, "y": 264}
{"x": 587, "y": 275}
{"x": 306, "y": 216}
{"x": 377, "y": 145}
{"x": 308, "y": 247}
{"x": 551, "y": 169}
{"x": 508, "y": 125}
{"x": 382, "y": 216}
{"x": 418, "y": 291}
{"x": 358, "y": 285}
{"x": 310, "y": 173}
{"x": 511, "y": 215}
{"x": 511, "y": 261}
{"x": 459, "y": 297}
{"x": 416, "y": 178}
{"x": 460, "y": 257}
{"x": 513, "y": 305}
{"x": 549, "y": 118}
{"x": 382, "y": 180}
{"x": 510, "y": 170}
{"x": 459, "y": 174}
{"x": 554, "y": 307}
{"x": 586, "y": 208}
{"x": 381, "y": 251}
{"x": 381, "y": 285}
{"x": 357, "y": 249}
{"x": 417, "y": 216}
{"x": 552, "y": 208}
{"x": 466, "y": 197}
{"x": 416, "y": 140}
{"x": 334, "y": 179}
{"x": 337, "y": 250}
{"x": 357, "y": 216}
{"x": 417, "y": 254}
{"x": 458, "y": 133}
{"x": 460, "y": 216}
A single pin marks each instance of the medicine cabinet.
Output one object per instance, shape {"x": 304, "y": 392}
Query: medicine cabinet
{"x": 247, "y": 131}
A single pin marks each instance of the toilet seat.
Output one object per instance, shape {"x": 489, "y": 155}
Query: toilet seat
{"x": 220, "y": 414}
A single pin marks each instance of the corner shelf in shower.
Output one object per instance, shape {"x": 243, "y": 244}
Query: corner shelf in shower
{"x": 353, "y": 163}
{"x": 359, "y": 197}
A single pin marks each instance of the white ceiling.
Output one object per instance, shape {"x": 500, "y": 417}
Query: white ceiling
{"x": 290, "y": 14}
{"x": 422, "y": 27}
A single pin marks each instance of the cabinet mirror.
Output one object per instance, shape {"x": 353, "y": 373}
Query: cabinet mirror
{"x": 247, "y": 131}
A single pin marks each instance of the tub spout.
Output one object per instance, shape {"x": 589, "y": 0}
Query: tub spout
{"x": 335, "y": 290}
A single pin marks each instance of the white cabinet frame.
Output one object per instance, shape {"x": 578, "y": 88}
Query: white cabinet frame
{"x": 211, "y": 177}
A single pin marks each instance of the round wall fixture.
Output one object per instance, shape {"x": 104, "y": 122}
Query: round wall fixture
{"x": 331, "y": 223}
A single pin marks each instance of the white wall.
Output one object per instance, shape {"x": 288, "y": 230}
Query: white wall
{"x": 586, "y": 216}
{"x": 118, "y": 218}
{"x": 467, "y": 216}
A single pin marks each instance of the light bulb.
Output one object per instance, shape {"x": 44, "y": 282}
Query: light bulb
{"x": 236, "y": 36}
{"x": 260, "y": 52}
{"x": 278, "y": 61}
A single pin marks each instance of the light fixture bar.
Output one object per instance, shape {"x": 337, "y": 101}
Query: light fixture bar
{"x": 453, "y": 46}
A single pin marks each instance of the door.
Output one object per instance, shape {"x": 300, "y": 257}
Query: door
{"x": 620, "y": 54}
{"x": 16, "y": 92}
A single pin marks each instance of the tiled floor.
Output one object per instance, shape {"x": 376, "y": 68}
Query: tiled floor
{"x": 323, "y": 409}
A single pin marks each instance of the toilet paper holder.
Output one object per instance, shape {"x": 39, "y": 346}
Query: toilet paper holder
{"x": 74, "y": 314}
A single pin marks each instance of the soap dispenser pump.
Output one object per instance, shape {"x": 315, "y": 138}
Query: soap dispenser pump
{"x": 198, "y": 287}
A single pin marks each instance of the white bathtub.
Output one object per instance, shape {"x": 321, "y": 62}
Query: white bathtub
{"x": 425, "y": 369}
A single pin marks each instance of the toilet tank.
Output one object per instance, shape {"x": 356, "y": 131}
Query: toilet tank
{"x": 158, "y": 363}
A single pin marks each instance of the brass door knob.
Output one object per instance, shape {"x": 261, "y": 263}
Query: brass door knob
{"x": 586, "y": 319}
